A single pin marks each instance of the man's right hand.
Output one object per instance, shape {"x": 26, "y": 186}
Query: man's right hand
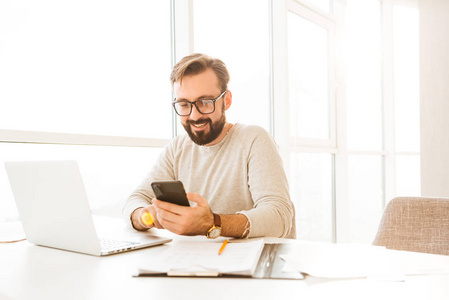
{"x": 139, "y": 224}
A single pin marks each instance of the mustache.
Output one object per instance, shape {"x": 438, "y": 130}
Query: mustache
{"x": 200, "y": 121}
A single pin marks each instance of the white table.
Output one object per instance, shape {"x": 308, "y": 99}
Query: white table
{"x": 28, "y": 271}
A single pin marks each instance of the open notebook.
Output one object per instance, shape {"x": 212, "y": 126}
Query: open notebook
{"x": 252, "y": 259}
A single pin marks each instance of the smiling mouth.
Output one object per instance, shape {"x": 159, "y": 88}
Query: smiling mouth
{"x": 201, "y": 125}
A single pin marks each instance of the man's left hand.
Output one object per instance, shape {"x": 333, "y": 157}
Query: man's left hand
{"x": 183, "y": 220}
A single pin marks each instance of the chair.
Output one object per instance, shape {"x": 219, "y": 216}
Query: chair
{"x": 416, "y": 224}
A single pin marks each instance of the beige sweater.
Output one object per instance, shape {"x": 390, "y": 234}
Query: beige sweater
{"x": 241, "y": 174}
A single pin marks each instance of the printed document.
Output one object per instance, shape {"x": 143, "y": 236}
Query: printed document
{"x": 202, "y": 259}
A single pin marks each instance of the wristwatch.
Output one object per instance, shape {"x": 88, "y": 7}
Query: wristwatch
{"x": 215, "y": 230}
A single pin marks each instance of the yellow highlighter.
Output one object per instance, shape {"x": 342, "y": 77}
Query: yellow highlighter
{"x": 147, "y": 219}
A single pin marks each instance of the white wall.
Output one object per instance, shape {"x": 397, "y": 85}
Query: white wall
{"x": 434, "y": 84}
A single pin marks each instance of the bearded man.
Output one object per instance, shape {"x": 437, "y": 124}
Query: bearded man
{"x": 233, "y": 172}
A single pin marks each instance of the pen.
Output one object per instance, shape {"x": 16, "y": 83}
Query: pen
{"x": 222, "y": 247}
{"x": 147, "y": 219}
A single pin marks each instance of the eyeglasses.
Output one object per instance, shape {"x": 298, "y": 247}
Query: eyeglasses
{"x": 204, "y": 106}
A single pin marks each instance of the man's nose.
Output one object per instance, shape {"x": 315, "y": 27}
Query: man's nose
{"x": 195, "y": 114}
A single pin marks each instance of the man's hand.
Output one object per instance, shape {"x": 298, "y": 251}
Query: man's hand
{"x": 183, "y": 220}
{"x": 137, "y": 218}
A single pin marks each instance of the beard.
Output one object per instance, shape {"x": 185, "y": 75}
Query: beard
{"x": 203, "y": 138}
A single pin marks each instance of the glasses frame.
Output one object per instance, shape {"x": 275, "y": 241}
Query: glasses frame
{"x": 194, "y": 103}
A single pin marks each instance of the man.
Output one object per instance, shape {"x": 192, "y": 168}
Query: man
{"x": 232, "y": 172}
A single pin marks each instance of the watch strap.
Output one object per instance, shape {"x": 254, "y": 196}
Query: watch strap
{"x": 217, "y": 220}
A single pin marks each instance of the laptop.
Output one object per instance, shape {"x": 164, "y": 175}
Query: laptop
{"x": 54, "y": 210}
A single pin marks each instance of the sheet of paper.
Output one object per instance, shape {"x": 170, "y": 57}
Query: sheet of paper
{"x": 362, "y": 260}
{"x": 414, "y": 263}
{"x": 237, "y": 258}
{"x": 337, "y": 260}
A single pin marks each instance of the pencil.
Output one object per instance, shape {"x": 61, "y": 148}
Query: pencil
{"x": 222, "y": 247}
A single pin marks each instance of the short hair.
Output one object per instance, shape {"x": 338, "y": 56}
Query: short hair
{"x": 197, "y": 63}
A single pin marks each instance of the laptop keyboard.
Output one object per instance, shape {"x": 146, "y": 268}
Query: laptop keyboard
{"x": 108, "y": 244}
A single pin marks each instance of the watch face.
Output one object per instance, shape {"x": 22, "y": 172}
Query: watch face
{"x": 214, "y": 233}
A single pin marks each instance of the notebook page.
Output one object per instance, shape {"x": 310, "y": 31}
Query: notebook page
{"x": 237, "y": 258}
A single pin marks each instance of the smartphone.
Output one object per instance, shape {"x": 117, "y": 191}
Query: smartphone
{"x": 170, "y": 191}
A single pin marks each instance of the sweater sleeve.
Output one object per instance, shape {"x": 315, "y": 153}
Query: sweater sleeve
{"x": 273, "y": 212}
{"x": 142, "y": 196}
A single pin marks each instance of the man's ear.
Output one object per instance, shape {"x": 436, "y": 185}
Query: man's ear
{"x": 228, "y": 100}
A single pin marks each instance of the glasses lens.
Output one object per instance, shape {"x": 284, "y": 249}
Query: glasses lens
{"x": 205, "y": 106}
{"x": 183, "y": 108}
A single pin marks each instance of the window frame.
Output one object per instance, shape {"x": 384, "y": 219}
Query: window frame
{"x": 327, "y": 23}
{"x": 338, "y": 147}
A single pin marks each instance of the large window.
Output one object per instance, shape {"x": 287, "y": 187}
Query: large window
{"x": 363, "y": 75}
{"x": 364, "y": 118}
{"x": 406, "y": 95}
{"x": 90, "y": 67}
{"x": 311, "y": 121}
{"x": 335, "y": 82}
{"x": 87, "y": 81}
{"x": 308, "y": 78}
{"x": 353, "y": 128}
{"x": 311, "y": 189}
